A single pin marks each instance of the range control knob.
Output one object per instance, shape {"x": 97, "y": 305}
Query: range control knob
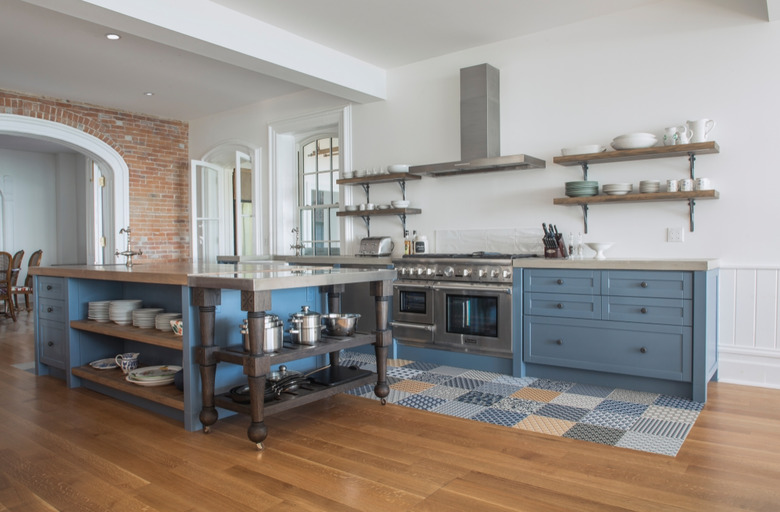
{"x": 449, "y": 271}
{"x": 494, "y": 272}
{"x": 429, "y": 271}
{"x": 403, "y": 270}
{"x": 506, "y": 273}
{"x": 466, "y": 272}
{"x": 420, "y": 271}
{"x": 482, "y": 272}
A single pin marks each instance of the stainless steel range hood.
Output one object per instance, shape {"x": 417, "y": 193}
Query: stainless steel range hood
{"x": 479, "y": 129}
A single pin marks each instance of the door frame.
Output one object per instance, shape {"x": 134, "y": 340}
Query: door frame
{"x": 113, "y": 165}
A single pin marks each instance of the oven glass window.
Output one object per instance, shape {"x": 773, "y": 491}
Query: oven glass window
{"x": 474, "y": 315}
{"x": 413, "y": 302}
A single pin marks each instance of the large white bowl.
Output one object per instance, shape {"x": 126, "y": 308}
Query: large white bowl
{"x": 398, "y": 168}
{"x": 634, "y": 141}
{"x": 399, "y": 204}
{"x": 599, "y": 247}
{"x": 583, "y": 150}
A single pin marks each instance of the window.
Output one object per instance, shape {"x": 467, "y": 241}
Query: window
{"x": 318, "y": 197}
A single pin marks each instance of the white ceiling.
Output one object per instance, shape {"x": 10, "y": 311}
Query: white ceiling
{"x": 201, "y": 57}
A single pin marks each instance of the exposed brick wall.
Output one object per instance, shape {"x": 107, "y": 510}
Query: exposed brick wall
{"x": 157, "y": 156}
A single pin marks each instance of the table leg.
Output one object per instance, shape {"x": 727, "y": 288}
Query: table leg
{"x": 382, "y": 292}
{"x": 257, "y": 363}
{"x": 207, "y": 301}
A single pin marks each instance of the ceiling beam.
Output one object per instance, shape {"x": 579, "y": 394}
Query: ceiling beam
{"x": 211, "y": 30}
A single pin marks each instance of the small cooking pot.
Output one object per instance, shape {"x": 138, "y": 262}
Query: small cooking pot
{"x": 306, "y": 335}
{"x": 274, "y": 330}
{"x": 304, "y": 318}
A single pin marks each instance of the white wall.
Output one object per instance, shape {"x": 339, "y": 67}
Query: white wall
{"x": 48, "y": 205}
{"x": 638, "y": 70}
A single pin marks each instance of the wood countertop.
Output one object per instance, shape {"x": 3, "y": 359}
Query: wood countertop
{"x": 619, "y": 264}
{"x": 241, "y": 276}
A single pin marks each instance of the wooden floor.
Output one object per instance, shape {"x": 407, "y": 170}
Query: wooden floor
{"x": 77, "y": 450}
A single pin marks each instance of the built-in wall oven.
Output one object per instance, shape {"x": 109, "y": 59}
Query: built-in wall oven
{"x": 459, "y": 302}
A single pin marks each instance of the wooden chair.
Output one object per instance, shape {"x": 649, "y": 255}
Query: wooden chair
{"x": 6, "y": 275}
{"x": 27, "y": 288}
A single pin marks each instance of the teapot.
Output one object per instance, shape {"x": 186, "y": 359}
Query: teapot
{"x": 700, "y": 129}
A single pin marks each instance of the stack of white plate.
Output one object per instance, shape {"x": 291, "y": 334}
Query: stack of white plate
{"x": 582, "y": 188}
{"x": 121, "y": 311}
{"x": 649, "y": 186}
{"x": 634, "y": 141}
{"x": 98, "y": 310}
{"x": 153, "y": 375}
{"x": 162, "y": 322}
{"x": 617, "y": 189}
{"x": 145, "y": 317}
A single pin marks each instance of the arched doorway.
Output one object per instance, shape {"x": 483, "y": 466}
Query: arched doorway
{"x": 110, "y": 162}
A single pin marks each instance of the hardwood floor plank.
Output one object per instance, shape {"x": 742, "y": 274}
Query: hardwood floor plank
{"x": 75, "y": 449}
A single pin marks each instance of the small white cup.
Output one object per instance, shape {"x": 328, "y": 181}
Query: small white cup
{"x": 369, "y": 206}
{"x": 686, "y": 185}
{"x": 672, "y": 185}
{"x": 362, "y": 207}
{"x": 702, "y": 184}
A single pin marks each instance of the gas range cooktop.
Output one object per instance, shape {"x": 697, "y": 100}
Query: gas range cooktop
{"x": 472, "y": 255}
{"x": 475, "y": 267}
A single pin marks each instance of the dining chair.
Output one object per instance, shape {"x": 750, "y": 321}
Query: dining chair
{"x": 6, "y": 275}
{"x": 27, "y": 288}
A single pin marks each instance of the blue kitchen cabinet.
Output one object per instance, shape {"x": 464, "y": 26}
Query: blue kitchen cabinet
{"x": 646, "y": 330}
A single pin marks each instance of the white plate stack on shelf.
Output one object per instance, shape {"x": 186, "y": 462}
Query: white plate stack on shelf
{"x": 121, "y": 311}
{"x": 144, "y": 318}
{"x": 153, "y": 375}
{"x": 634, "y": 141}
{"x": 617, "y": 189}
{"x": 649, "y": 186}
{"x": 162, "y": 322}
{"x": 98, "y": 310}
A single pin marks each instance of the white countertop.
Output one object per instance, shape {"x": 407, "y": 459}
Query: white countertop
{"x": 619, "y": 264}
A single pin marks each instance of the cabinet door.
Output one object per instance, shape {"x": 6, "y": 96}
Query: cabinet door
{"x": 662, "y": 352}
{"x": 52, "y": 343}
{"x": 586, "y": 282}
{"x": 647, "y": 310}
{"x": 562, "y": 305}
{"x": 659, "y": 284}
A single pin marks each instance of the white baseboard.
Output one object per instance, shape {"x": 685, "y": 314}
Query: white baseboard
{"x": 749, "y": 367}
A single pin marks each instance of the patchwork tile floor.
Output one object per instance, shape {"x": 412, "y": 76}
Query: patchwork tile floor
{"x": 648, "y": 422}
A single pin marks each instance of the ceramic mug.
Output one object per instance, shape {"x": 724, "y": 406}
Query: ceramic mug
{"x": 686, "y": 185}
{"x": 672, "y": 185}
{"x": 177, "y": 326}
{"x": 670, "y": 135}
{"x": 702, "y": 184}
{"x": 127, "y": 361}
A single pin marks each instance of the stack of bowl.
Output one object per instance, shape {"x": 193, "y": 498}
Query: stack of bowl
{"x": 617, "y": 189}
{"x": 582, "y": 188}
{"x": 634, "y": 141}
{"x": 649, "y": 186}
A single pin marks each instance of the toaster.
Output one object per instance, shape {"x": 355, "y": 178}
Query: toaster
{"x": 376, "y": 246}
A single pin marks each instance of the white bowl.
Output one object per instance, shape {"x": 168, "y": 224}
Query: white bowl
{"x": 583, "y": 150}
{"x": 634, "y": 141}
{"x": 639, "y": 135}
{"x": 599, "y": 247}
{"x": 398, "y": 168}
{"x": 347, "y": 174}
{"x": 400, "y": 204}
{"x": 351, "y": 208}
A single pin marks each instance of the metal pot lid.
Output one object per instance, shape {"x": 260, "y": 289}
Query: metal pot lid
{"x": 283, "y": 372}
{"x": 304, "y": 312}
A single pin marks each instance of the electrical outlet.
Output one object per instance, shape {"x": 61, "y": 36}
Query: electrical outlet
{"x": 674, "y": 234}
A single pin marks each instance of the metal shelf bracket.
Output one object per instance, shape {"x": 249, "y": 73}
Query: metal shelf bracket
{"x": 585, "y": 217}
{"x": 367, "y": 220}
{"x": 691, "y": 204}
{"x": 402, "y": 184}
{"x": 692, "y": 160}
{"x": 584, "y": 172}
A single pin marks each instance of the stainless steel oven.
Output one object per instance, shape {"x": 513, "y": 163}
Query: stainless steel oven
{"x": 473, "y": 317}
{"x": 455, "y": 302}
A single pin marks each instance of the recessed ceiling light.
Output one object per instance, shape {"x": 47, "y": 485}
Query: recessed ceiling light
{"x": 113, "y": 37}
{"x": 148, "y": 93}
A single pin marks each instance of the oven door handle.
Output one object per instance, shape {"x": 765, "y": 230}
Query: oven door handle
{"x": 424, "y": 327}
{"x": 474, "y": 288}
{"x": 408, "y": 285}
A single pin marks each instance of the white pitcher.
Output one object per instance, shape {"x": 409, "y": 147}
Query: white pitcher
{"x": 700, "y": 129}
{"x": 684, "y": 134}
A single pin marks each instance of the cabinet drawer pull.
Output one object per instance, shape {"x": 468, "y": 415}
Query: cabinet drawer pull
{"x": 51, "y": 343}
{"x": 559, "y": 281}
{"x": 643, "y": 350}
{"x": 643, "y": 311}
{"x": 49, "y": 309}
{"x": 559, "y": 306}
{"x": 643, "y": 284}
{"x": 49, "y": 287}
{"x": 559, "y": 342}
